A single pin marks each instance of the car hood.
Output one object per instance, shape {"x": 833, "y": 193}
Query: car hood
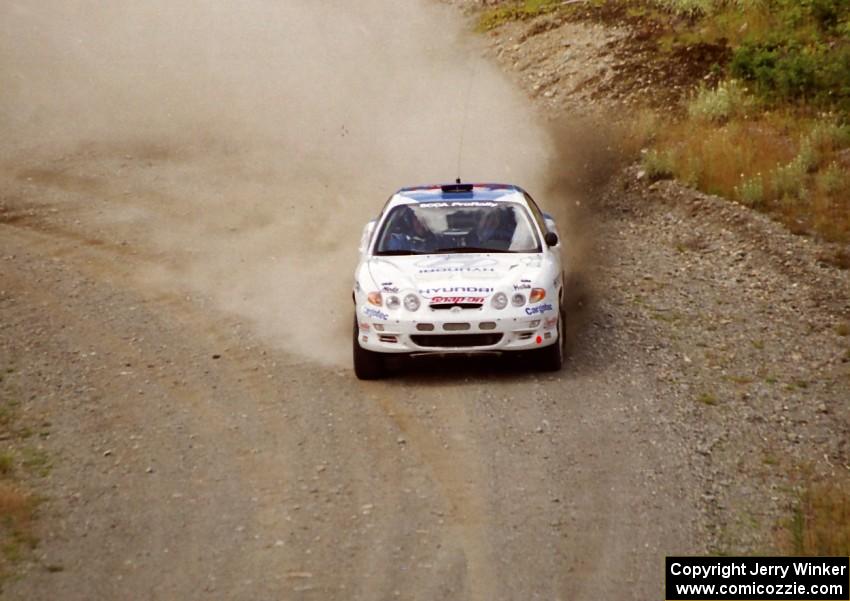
{"x": 431, "y": 275}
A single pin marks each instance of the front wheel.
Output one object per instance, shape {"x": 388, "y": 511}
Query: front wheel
{"x": 551, "y": 358}
{"x": 368, "y": 365}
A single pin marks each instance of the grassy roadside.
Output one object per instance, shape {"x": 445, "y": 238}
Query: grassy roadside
{"x": 771, "y": 129}
{"x": 819, "y": 524}
{"x": 766, "y": 122}
{"x": 20, "y": 461}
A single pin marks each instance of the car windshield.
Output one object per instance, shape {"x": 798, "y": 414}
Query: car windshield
{"x": 457, "y": 226}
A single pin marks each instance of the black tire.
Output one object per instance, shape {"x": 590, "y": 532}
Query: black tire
{"x": 551, "y": 358}
{"x": 368, "y": 365}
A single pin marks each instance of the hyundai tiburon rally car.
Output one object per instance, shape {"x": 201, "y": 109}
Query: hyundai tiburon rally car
{"x": 458, "y": 269}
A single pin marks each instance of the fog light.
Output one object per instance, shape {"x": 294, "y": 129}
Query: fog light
{"x": 411, "y": 302}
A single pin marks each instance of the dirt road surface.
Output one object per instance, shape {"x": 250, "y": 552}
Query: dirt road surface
{"x": 182, "y": 188}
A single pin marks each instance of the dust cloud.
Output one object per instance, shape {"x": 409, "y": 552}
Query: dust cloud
{"x": 241, "y": 146}
{"x": 584, "y": 157}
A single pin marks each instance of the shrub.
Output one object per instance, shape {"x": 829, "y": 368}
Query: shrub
{"x": 831, "y": 180}
{"x": 829, "y": 136}
{"x": 751, "y": 191}
{"x": 728, "y": 99}
{"x": 659, "y": 164}
{"x": 809, "y": 156}
{"x": 706, "y": 7}
{"x": 784, "y": 71}
{"x": 789, "y": 180}
{"x": 687, "y": 7}
{"x": 827, "y": 12}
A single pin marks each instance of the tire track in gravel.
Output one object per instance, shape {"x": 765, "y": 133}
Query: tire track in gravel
{"x": 454, "y": 467}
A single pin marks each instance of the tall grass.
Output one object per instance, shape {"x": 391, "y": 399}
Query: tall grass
{"x": 784, "y": 163}
{"x": 820, "y": 523}
{"x": 729, "y": 99}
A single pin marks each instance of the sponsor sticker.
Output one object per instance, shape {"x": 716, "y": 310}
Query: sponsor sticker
{"x": 445, "y": 300}
{"x": 457, "y": 270}
{"x": 455, "y": 290}
{"x": 455, "y": 263}
{"x": 537, "y": 309}
{"x": 456, "y": 203}
{"x": 375, "y": 314}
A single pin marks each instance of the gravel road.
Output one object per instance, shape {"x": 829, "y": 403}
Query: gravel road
{"x": 180, "y": 200}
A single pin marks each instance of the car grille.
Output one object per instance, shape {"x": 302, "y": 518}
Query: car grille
{"x": 455, "y": 340}
{"x": 439, "y": 306}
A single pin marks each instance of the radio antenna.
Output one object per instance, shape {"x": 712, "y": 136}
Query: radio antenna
{"x": 465, "y": 116}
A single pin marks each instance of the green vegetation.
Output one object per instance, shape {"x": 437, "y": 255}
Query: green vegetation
{"x": 708, "y": 398}
{"x": 36, "y": 461}
{"x": 718, "y": 105}
{"x": 774, "y": 132}
{"x": 521, "y": 10}
{"x": 659, "y": 164}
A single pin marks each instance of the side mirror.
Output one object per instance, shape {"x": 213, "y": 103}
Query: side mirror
{"x": 366, "y": 236}
{"x": 551, "y": 239}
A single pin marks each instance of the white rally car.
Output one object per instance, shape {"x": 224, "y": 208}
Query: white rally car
{"x": 458, "y": 269}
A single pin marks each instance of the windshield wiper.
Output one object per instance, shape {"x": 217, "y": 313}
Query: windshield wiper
{"x": 388, "y": 253}
{"x": 468, "y": 249}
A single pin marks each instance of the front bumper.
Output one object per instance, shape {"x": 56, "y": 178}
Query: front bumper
{"x": 463, "y": 332}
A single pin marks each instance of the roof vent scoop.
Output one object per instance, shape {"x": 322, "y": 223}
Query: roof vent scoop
{"x": 456, "y": 188}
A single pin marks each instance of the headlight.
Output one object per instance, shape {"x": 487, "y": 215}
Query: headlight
{"x": 375, "y": 298}
{"x": 393, "y": 302}
{"x": 411, "y": 302}
{"x": 537, "y": 295}
{"x": 500, "y": 300}
{"x": 518, "y": 300}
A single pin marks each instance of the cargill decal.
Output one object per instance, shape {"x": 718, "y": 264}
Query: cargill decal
{"x": 544, "y": 308}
